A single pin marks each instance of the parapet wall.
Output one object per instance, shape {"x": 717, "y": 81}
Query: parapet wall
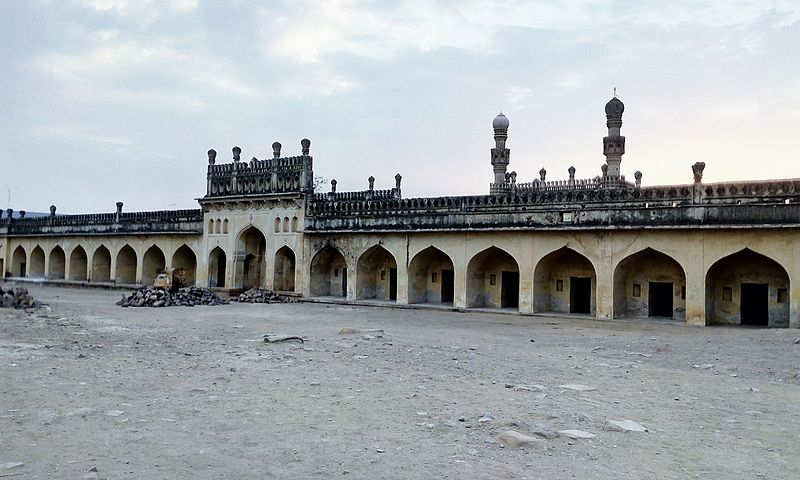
{"x": 155, "y": 222}
{"x": 775, "y": 203}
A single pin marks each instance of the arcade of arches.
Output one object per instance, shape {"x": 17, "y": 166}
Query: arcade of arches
{"x": 431, "y": 277}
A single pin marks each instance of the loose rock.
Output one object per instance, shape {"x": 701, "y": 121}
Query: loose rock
{"x": 512, "y": 438}
{"x": 576, "y": 434}
{"x": 17, "y": 298}
{"x": 262, "y": 295}
{"x": 183, "y": 297}
{"x": 624, "y": 426}
{"x": 577, "y": 387}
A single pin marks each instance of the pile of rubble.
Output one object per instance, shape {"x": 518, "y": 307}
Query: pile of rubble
{"x": 17, "y": 298}
{"x": 183, "y": 297}
{"x": 262, "y": 295}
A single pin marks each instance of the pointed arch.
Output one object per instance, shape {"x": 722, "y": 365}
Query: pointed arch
{"x": 19, "y": 262}
{"x": 250, "y": 258}
{"x": 283, "y": 278}
{"x": 295, "y": 224}
{"x": 285, "y": 224}
{"x": 225, "y": 226}
{"x": 277, "y": 224}
{"x": 649, "y": 283}
{"x": 184, "y": 261}
{"x": 101, "y": 265}
{"x": 564, "y": 281}
{"x": 153, "y": 263}
{"x": 493, "y": 279}
{"x": 37, "y": 263}
{"x": 211, "y": 226}
{"x": 747, "y": 288}
{"x": 217, "y": 263}
{"x": 126, "y": 266}
{"x": 329, "y": 273}
{"x": 78, "y": 263}
{"x": 57, "y": 263}
{"x": 376, "y": 274}
{"x": 431, "y": 277}
{"x": 218, "y": 226}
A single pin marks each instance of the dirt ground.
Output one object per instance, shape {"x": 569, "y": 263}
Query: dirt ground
{"x": 194, "y": 393}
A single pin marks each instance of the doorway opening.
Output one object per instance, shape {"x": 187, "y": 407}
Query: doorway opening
{"x": 392, "y": 284}
{"x": 755, "y": 304}
{"x": 509, "y": 290}
{"x": 448, "y": 286}
{"x": 580, "y": 294}
{"x": 660, "y": 299}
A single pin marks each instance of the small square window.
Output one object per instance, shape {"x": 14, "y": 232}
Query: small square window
{"x": 566, "y": 217}
{"x": 493, "y": 279}
{"x": 336, "y": 272}
{"x": 783, "y": 295}
{"x": 727, "y": 294}
{"x": 433, "y": 277}
{"x": 683, "y": 292}
{"x": 637, "y": 290}
{"x": 559, "y": 285}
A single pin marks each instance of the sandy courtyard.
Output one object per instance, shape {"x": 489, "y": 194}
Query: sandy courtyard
{"x": 194, "y": 393}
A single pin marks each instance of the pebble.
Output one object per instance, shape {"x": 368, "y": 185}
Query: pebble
{"x": 512, "y": 438}
{"x": 577, "y": 387}
{"x": 625, "y": 426}
{"x": 576, "y": 434}
{"x": 486, "y": 417}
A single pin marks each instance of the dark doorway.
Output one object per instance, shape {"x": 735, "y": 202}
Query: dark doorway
{"x": 448, "y": 286}
{"x": 580, "y": 295}
{"x": 755, "y": 304}
{"x": 660, "y": 299}
{"x": 221, "y": 271}
{"x": 344, "y": 282}
{"x": 22, "y": 269}
{"x": 392, "y": 284}
{"x": 509, "y": 290}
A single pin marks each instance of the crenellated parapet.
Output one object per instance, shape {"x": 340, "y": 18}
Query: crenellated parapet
{"x": 277, "y": 175}
{"x": 155, "y": 222}
{"x": 570, "y": 206}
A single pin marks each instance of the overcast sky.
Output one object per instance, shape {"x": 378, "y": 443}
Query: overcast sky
{"x": 108, "y": 100}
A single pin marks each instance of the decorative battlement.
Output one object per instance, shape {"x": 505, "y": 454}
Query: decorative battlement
{"x": 278, "y": 175}
{"x": 562, "y": 205}
{"x": 160, "y": 221}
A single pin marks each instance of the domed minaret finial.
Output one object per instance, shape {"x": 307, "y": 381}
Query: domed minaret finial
{"x": 614, "y": 143}
{"x": 501, "y": 156}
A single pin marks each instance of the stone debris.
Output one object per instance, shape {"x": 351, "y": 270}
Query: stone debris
{"x": 512, "y": 438}
{"x": 625, "y": 426}
{"x": 485, "y": 417}
{"x": 353, "y": 330}
{"x": 797, "y": 341}
{"x": 183, "y": 297}
{"x": 526, "y": 388}
{"x": 576, "y": 387}
{"x": 17, "y": 298}
{"x": 10, "y": 465}
{"x": 704, "y": 366}
{"x": 275, "y": 338}
{"x": 576, "y": 434}
{"x": 262, "y": 295}
{"x": 535, "y": 428}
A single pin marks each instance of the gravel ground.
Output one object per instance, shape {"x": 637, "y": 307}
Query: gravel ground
{"x": 194, "y": 393}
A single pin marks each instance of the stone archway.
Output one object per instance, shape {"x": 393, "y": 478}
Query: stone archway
{"x": 126, "y": 266}
{"x": 649, "y": 283}
{"x": 493, "y": 280}
{"x": 283, "y": 278}
{"x": 184, "y": 262}
{"x": 78, "y": 263}
{"x": 431, "y": 277}
{"x": 101, "y": 265}
{"x": 328, "y": 273}
{"x": 217, "y": 262}
{"x": 19, "y": 262}
{"x": 747, "y": 288}
{"x": 153, "y": 263}
{"x": 36, "y": 269}
{"x": 376, "y": 275}
{"x": 564, "y": 281}
{"x": 250, "y": 258}
{"x": 57, "y": 264}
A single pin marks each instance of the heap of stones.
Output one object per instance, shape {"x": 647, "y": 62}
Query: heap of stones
{"x": 18, "y": 298}
{"x": 261, "y": 295}
{"x": 183, "y": 297}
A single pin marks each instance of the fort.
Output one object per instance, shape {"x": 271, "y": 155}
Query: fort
{"x": 606, "y": 246}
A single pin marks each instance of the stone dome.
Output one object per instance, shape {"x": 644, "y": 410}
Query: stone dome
{"x": 615, "y": 107}
{"x": 500, "y": 122}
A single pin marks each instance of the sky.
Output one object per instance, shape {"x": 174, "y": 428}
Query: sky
{"x": 119, "y": 100}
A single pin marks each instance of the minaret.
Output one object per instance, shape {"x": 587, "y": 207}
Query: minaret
{"x": 614, "y": 143}
{"x": 501, "y": 156}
